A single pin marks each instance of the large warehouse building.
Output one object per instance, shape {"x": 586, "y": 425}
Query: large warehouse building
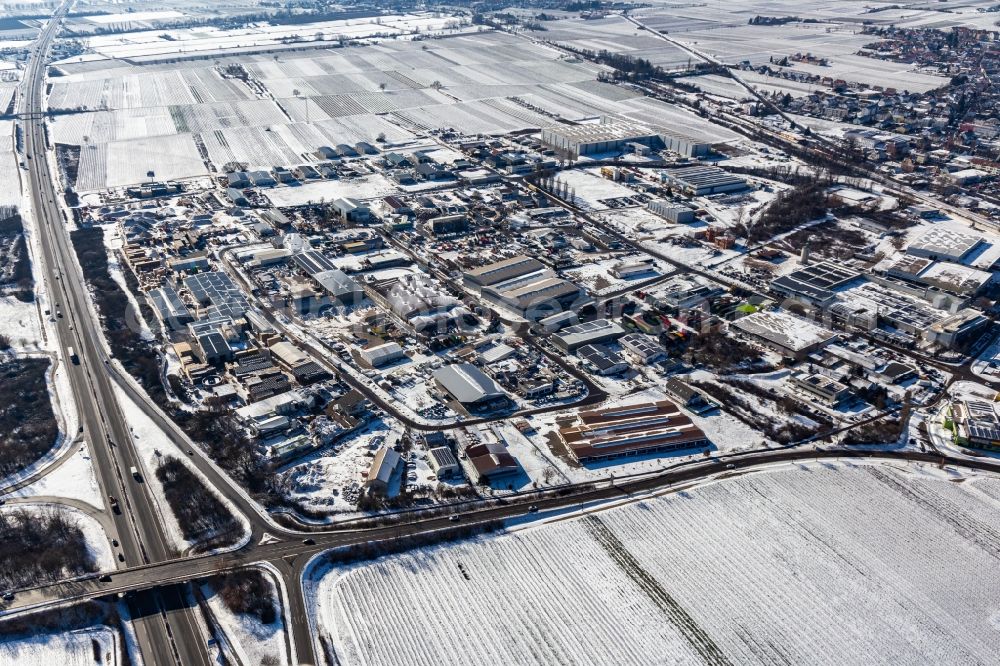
{"x": 618, "y": 432}
{"x": 610, "y": 136}
{"x": 698, "y": 181}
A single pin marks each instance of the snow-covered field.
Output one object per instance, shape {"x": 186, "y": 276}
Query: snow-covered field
{"x": 73, "y": 479}
{"x": 253, "y": 641}
{"x": 806, "y": 564}
{"x": 75, "y": 648}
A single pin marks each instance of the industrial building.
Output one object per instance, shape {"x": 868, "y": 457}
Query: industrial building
{"x": 218, "y": 295}
{"x": 538, "y": 298}
{"x": 785, "y": 332}
{"x": 170, "y": 308}
{"x": 697, "y": 181}
{"x": 956, "y": 329}
{"x": 815, "y": 283}
{"x": 614, "y": 136}
{"x": 943, "y": 275}
{"x": 644, "y": 348}
{"x": 383, "y": 467}
{"x": 593, "y": 332}
{"x": 671, "y": 212}
{"x": 470, "y": 387}
{"x": 940, "y": 242}
{"x": 443, "y": 463}
{"x": 617, "y": 432}
{"x": 501, "y": 271}
{"x": 380, "y": 355}
{"x": 602, "y": 360}
{"x": 340, "y": 286}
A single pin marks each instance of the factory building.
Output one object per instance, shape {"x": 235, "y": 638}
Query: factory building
{"x": 615, "y": 136}
{"x": 671, "y": 212}
{"x": 618, "y": 432}
{"x": 699, "y": 181}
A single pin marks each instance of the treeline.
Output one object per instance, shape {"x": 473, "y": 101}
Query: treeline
{"x": 28, "y": 428}
{"x": 205, "y": 521}
{"x": 720, "y": 352}
{"x": 790, "y": 209}
{"x": 122, "y": 332}
{"x": 41, "y": 546}
{"x": 16, "y": 270}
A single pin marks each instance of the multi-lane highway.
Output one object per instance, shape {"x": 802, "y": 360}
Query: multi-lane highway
{"x": 165, "y": 638}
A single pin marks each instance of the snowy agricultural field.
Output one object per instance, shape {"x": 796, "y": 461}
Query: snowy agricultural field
{"x": 73, "y": 648}
{"x": 806, "y": 564}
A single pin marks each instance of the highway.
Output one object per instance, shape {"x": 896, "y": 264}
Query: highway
{"x": 164, "y": 638}
{"x": 167, "y": 628}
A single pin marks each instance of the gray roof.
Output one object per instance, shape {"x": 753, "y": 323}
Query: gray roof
{"x": 467, "y": 383}
{"x": 337, "y": 283}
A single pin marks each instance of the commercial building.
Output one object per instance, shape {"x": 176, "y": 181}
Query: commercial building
{"x": 380, "y": 355}
{"x": 785, "y": 332}
{"x": 699, "y": 181}
{"x": 975, "y": 424}
{"x": 940, "y": 242}
{"x": 671, "y": 212}
{"x": 614, "y": 136}
{"x": 820, "y": 386}
{"x": 443, "y": 463}
{"x": 470, "y": 387}
{"x": 383, "y": 467}
{"x": 593, "y": 332}
{"x": 617, "y": 432}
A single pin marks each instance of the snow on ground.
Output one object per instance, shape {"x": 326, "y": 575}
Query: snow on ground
{"x": 151, "y": 444}
{"x": 534, "y": 450}
{"x": 97, "y": 541}
{"x": 74, "y": 648}
{"x": 805, "y": 564}
{"x": 331, "y": 481}
{"x": 73, "y": 479}
{"x": 113, "y": 243}
{"x": 591, "y": 188}
{"x": 20, "y": 322}
{"x": 367, "y": 187}
{"x": 253, "y": 641}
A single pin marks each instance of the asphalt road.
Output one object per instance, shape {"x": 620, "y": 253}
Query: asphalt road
{"x": 138, "y": 524}
{"x": 292, "y": 555}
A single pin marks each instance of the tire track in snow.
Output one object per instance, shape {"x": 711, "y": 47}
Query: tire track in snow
{"x": 702, "y": 643}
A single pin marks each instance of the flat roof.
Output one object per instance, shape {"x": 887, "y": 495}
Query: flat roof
{"x": 944, "y": 241}
{"x": 784, "y": 329}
